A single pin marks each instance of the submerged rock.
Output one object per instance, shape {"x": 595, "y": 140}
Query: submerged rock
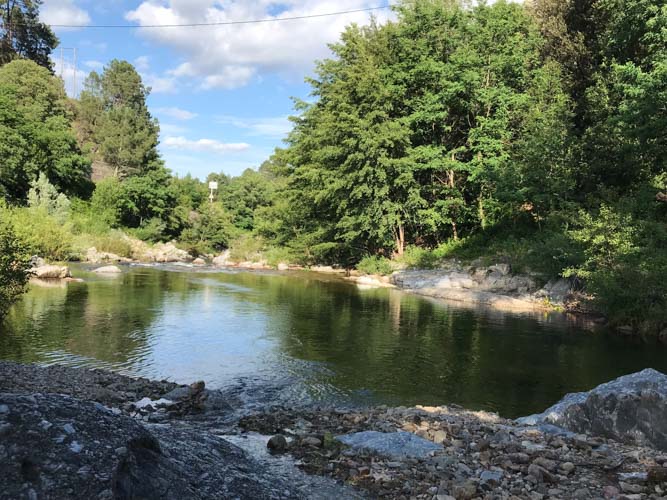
{"x": 631, "y": 409}
{"x": 108, "y": 270}
{"x": 394, "y": 444}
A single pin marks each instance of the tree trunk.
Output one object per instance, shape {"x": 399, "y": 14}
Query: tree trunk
{"x": 400, "y": 240}
{"x": 452, "y": 184}
{"x": 482, "y": 214}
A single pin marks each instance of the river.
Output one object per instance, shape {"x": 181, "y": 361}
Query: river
{"x": 316, "y": 338}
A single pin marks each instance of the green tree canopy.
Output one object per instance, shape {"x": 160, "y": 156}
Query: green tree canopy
{"x": 114, "y": 120}
{"x": 37, "y": 135}
{"x": 22, "y": 35}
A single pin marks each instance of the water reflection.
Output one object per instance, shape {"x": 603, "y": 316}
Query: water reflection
{"x": 336, "y": 340}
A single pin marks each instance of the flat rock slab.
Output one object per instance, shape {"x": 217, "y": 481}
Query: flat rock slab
{"x": 58, "y": 447}
{"x": 393, "y": 444}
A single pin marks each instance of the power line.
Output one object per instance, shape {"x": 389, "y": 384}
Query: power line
{"x": 222, "y": 23}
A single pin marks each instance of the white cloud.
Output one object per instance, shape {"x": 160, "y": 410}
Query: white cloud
{"x": 275, "y": 127}
{"x": 169, "y": 129}
{"x": 165, "y": 84}
{"x": 231, "y": 56}
{"x": 159, "y": 84}
{"x": 203, "y": 145}
{"x": 94, "y": 65}
{"x": 142, "y": 63}
{"x": 177, "y": 113}
{"x": 63, "y": 12}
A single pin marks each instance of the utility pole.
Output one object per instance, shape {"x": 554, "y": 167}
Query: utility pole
{"x": 75, "y": 82}
{"x": 65, "y": 74}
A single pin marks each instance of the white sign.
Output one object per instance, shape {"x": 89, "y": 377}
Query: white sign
{"x": 213, "y": 185}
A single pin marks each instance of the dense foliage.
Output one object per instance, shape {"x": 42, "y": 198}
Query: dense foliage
{"x": 535, "y": 132}
{"x": 531, "y": 131}
{"x": 22, "y": 35}
{"x": 14, "y": 262}
{"x": 36, "y": 133}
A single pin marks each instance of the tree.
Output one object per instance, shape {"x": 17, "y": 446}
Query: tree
{"x": 22, "y": 35}
{"x": 14, "y": 263}
{"x": 114, "y": 121}
{"x": 37, "y": 134}
{"x": 43, "y": 195}
{"x": 241, "y": 196}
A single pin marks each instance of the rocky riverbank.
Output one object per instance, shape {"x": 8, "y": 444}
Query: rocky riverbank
{"x": 75, "y": 433}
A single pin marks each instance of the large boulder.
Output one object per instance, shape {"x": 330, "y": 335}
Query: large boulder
{"x": 630, "y": 409}
{"x": 164, "y": 253}
{"x": 51, "y": 272}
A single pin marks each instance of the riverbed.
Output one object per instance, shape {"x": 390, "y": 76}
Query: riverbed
{"x": 315, "y": 338}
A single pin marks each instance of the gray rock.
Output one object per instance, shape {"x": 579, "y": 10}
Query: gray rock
{"x": 631, "y": 409}
{"x": 312, "y": 441}
{"x": 393, "y": 444}
{"x": 159, "y": 462}
{"x": 490, "y": 478}
{"x": 277, "y": 444}
{"x": 465, "y": 490}
{"x": 51, "y": 272}
{"x": 108, "y": 270}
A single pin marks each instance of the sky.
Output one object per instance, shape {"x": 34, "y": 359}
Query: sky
{"x": 222, "y": 94}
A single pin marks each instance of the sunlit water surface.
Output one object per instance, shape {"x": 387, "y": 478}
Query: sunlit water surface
{"x": 322, "y": 338}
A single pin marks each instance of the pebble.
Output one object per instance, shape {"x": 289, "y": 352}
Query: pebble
{"x": 312, "y": 441}
{"x": 69, "y": 428}
{"x": 610, "y": 492}
{"x": 489, "y": 479}
{"x": 567, "y": 467}
{"x": 75, "y": 447}
{"x": 4, "y": 409}
{"x": 630, "y": 488}
{"x": 465, "y": 490}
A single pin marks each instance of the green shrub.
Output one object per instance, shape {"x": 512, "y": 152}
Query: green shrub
{"x": 247, "y": 248}
{"x": 14, "y": 263}
{"x": 43, "y": 234}
{"x": 113, "y": 242}
{"x": 278, "y": 255}
{"x": 152, "y": 230}
{"x": 375, "y": 265}
{"x": 625, "y": 266}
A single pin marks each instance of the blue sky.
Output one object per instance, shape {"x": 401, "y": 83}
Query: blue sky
{"x": 222, "y": 94}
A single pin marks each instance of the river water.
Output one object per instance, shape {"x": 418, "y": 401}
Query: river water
{"x": 317, "y": 338}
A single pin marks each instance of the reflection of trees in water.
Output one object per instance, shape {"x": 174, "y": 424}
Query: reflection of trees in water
{"x": 411, "y": 350}
{"x": 104, "y": 319}
{"x": 405, "y": 348}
